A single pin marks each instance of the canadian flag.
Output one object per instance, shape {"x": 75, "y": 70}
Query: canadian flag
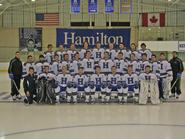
{"x": 154, "y": 19}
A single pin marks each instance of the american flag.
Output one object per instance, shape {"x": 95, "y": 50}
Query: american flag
{"x": 47, "y": 19}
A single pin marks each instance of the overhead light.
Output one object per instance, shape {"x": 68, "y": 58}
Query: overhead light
{"x": 33, "y": 0}
{"x": 1, "y": 4}
{"x": 169, "y": 0}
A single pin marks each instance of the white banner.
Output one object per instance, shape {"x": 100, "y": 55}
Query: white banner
{"x": 181, "y": 45}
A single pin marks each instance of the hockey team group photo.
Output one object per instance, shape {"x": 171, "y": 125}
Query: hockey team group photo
{"x": 111, "y": 74}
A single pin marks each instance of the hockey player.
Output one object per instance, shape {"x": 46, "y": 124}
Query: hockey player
{"x": 133, "y": 49}
{"x": 132, "y": 62}
{"x": 114, "y": 83}
{"x": 165, "y": 77}
{"x": 84, "y": 50}
{"x": 81, "y": 85}
{"x": 112, "y": 51}
{"x": 65, "y": 62}
{"x": 148, "y": 87}
{"x": 155, "y": 65}
{"x": 146, "y": 51}
{"x": 29, "y": 85}
{"x": 106, "y": 64}
{"x": 64, "y": 80}
{"x": 97, "y": 84}
{"x": 123, "y": 49}
{"x": 75, "y": 65}
{"x": 55, "y": 65}
{"x": 49, "y": 54}
{"x": 130, "y": 85}
{"x": 120, "y": 64}
{"x": 98, "y": 52}
{"x": 39, "y": 65}
{"x": 27, "y": 65}
{"x": 143, "y": 63}
{"x": 46, "y": 86}
{"x": 61, "y": 52}
{"x": 71, "y": 52}
{"x": 88, "y": 64}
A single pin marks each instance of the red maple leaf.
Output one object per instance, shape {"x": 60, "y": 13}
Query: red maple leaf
{"x": 153, "y": 19}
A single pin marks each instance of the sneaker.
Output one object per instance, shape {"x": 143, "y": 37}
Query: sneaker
{"x": 177, "y": 96}
{"x": 19, "y": 96}
{"x": 14, "y": 97}
{"x": 172, "y": 96}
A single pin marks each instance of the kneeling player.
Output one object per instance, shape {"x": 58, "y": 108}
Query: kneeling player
{"x": 148, "y": 87}
{"x": 81, "y": 84}
{"x": 29, "y": 85}
{"x": 46, "y": 87}
{"x": 65, "y": 84}
{"x": 114, "y": 83}
{"x": 130, "y": 85}
{"x": 97, "y": 84}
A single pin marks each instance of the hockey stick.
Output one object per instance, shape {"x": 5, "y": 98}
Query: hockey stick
{"x": 15, "y": 86}
{"x": 174, "y": 83}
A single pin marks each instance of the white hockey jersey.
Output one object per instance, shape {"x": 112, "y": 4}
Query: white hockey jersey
{"x": 121, "y": 66}
{"x": 106, "y": 65}
{"x": 114, "y": 79}
{"x": 39, "y": 67}
{"x": 65, "y": 63}
{"x": 71, "y": 55}
{"x": 26, "y": 67}
{"x": 82, "y": 53}
{"x": 88, "y": 65}
{"x": 81, "y": 80}
{"x": 148, "y": 52}
{"x": 48, "y": 76}
{"x": 126, "y": 54}
{"x": 112, "y": 53}
{"x": 64, "y": 79}
{"x": 60, "y": 54}
{"x": 147, "y": 77}
{"x": 137, "y": 54}
{"x": 130, "y": 79}
{"x": 135, "y": 66}
{"x": 98, "y": 79}
{"x": 142, "y": 65}
{"x": 74, "y": 67}
{"x": 49, "y": 56}
{"x": 98, "y": 54}
{"x": 165, "y": 69}
{"x": 55, "y": 67}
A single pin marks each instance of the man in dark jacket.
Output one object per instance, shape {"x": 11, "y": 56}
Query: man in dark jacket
{"x": 177, "y": 69}
{"x": 29, "y": 85}
{"x": 15, "y": 73}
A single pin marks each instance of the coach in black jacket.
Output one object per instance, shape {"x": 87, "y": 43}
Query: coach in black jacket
{"x": 177, "y": 69}
{"x": 15, "y": 74}
{"x": 29, "y": 85}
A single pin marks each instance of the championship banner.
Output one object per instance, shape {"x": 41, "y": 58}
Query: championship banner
{"x": 104, "y": 36}
{"x": 75, "y": 6}
{"x": 125, "y": 6}
{"x": 109, "y": 6}
{"x": 92, "y": 6}
{"x": 181, "y": 45}
{"x": 30, "y": 39}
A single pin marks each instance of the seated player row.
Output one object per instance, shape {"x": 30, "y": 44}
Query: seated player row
{"x": 70, "y": 88}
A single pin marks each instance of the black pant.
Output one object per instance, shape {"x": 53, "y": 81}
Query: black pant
{"x": 17, "y": 81}
{"x": 176, "y": 85}
{"x": 31, "y": 97}
{"x": 161, "y": 92}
